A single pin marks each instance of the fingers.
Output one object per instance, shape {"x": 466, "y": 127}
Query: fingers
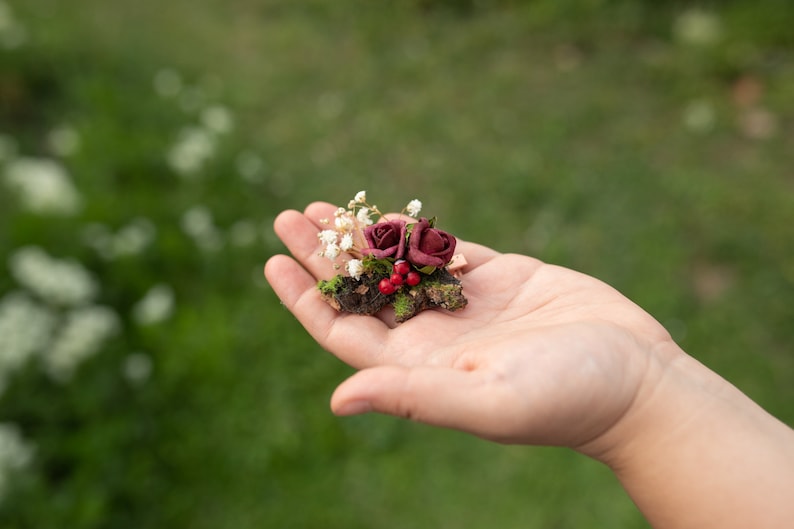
{"x": 299, "y": 231}
{"x": 354, "y": 339}
{"x": 445, "y": 397}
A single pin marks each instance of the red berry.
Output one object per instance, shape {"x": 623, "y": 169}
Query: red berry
{"x": 402, "y": 267}
{"x": 386, "y": 287}
{"x": 413, "y": 278}
{"x": 396, "y": 279}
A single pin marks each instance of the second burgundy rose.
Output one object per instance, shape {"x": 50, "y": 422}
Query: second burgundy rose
{"x": 430, "y": 246}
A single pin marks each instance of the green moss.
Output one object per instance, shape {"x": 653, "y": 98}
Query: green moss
{"x": 377, "y": 267}
{"x": 403, "y": 305}
{"x": 331, "y": 286}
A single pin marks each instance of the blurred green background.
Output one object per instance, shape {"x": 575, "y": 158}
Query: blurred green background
{"x": 150, "y": 377}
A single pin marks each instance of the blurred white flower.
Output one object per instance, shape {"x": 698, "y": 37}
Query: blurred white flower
{"x": 25, "y": 329}
{"x": 82, "y": 334}
{"x": 137, "y": 367}
{"x": 167, "y": 83}
{"x": 194, "y": 147}
{"x": 243, "y": 233}
{"x": 57, "y": 281}
{"x": 197, "y": 223}
{"x": 157, "y": 305}
{"x": 699, "y": 116}
{"x": 15, "y": 454}
{"x": 8, "y": 147}
{"x": 63, "y": 140}
{"x": 131, "y": 239}
{"x": 43, "y": 186}
{"x": 697, "y": 27}
{"x": 12, "y": 33}
{"x": 251, "y": 167}
{"x": 217, "y": 119}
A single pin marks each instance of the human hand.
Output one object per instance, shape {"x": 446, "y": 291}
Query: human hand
{"x": 541, "y": 354}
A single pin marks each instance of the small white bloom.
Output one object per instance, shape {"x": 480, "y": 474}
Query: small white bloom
{"x": 361, "y": 197}
{"x": 137, "y": 367}
{"x": 217, "y": 119}
{"x": 339, "y": 212}
{"x": 355, "y": 268}
{"x": 168, "y": 83}
{"x": 82, "y": 335}
{"x": 363, "y": 217}
{"x": 25, "y": 330}
{"x": 156, "y": 305}
{"x": 64, "y": 140}
{"x": 344, "y": 223}
{"x": 59, "y": 282}
{"x": 15, "y": 454}
{"x": 332, "y": 251}
{"x": 413, "y": 208}
{"x": 697, "y": 28}
{"x": 347, "y": 242}
{"x": 197, "y": 222}
{"x": 243, "y": 233}
{"x": 194, "y": 147}
{"x": 43, "y": 186}
{"x": 327, "y": 236}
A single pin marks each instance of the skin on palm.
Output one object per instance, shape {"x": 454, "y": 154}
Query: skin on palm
{"x": 546, "y": 355}
{"x": 569, "y": 329}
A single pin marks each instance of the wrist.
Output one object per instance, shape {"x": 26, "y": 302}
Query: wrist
{"x": 693, "y": 451}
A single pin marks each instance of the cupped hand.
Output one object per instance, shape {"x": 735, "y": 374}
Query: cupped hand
{"x": 541, "y": 354}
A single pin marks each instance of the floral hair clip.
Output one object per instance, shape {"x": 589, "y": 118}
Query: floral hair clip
{"x": 409, "y": 265}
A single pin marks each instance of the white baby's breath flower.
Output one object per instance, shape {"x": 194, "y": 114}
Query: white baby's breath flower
{"x": 361, "y": 197}
{"x": 413, "y": 208}
{"x": 331, "y": 251}
{"x": 355, "y": 268}
{"x": 363, "y": 217}
{"x": 339, "y": 212}
{"x": 327, "y": 236}
{"x": 344, "y": 223}
{"x": 347, "y": 242}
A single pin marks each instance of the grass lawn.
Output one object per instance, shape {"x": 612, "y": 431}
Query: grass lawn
{"x": 148, "y": 375}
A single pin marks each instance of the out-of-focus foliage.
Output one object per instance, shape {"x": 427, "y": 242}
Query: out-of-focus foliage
{"x": 148, "y": 375}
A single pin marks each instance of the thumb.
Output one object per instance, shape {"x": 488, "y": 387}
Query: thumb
{"x": 438, "y": 396}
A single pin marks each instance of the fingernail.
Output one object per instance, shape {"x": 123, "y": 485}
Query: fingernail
{"x": 354, "y": 407}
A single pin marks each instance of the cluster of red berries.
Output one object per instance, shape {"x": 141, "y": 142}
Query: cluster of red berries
{"x": 401, "y": 273}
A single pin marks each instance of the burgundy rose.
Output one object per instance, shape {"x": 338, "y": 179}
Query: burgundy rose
{"x": 386, "y": 239}
{"x": 428, "y": 246}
